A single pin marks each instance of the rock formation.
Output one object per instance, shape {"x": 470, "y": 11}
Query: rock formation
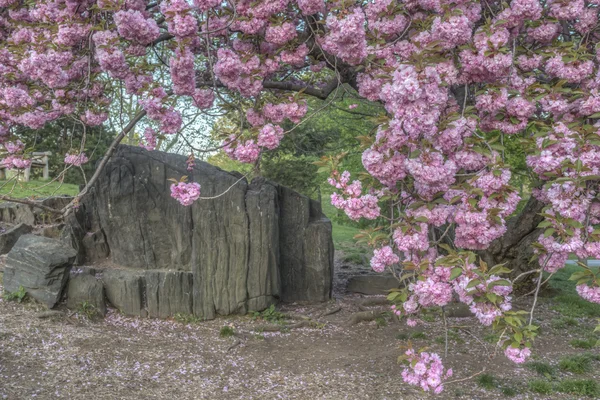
{"x": 254, "y": 244}
{"x": 41, "y": 266}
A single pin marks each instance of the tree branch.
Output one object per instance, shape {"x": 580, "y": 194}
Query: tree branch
{"x": 32, "y": 203}
{"x": 105, "y": 159}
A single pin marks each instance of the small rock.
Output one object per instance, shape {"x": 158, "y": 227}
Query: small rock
{"x": 458, "y": 310}
{"x": 372, "y": 284}
{"x": 10, "y": 237}
{"x": 86, "y": 288}
{"x": 41, "y": 265}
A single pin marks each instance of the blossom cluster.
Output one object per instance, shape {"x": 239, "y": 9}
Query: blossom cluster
{"x": 352, "y": 201}
{"x": 425, "y": 370}
{"x": 185, "y": 193}
{"x": 76, "y": 160}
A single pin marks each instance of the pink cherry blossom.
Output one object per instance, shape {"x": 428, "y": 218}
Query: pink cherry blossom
{"x": 185, "y": 193}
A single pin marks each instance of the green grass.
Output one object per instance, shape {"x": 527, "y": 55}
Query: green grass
{"x": 508, "y": 391}
{"x": 577, "y": 363}
{"x": 541, "y": 386}
{"x": 491, "y": 337}
{"x": 541, "y": 368}
{"x": 36, "y": 189}
{"x": 226, "y": 331}
{"x": 418, "y": 335}
{"x": 568, "y": 302}
{"x": 580, "y": 387}
{"x": 19, "y": 296}
{"x": 587, "y": 344}
{"x": 487, "y": 381}
{"x": 564, "y": 322}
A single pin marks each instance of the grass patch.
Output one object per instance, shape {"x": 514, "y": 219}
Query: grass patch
{"x": 575, "y": 306}
{"x": 577, "y": 363}
{"x": 88, "y": 310}
{"x": 508, "y": 391}
{"x": 269, "y": 315}
{"x": 541, "y": 386}
{"x": 37, "y": 189}
{"x": 491, "y": 338}
{"x": 580, "y": 387}
{"x": 418, "y": 335}
{"x": 587, "y": 344}
{"x": 541, "y": 368}
{"x": 569, "y": 303}
{"x": 19, "y": 296}
{"x": 452, "y": 337}
{"x": 487, "y": 381}
{"x": 402, "y": 336}
{"x": 355, "y": 257}
{"x": 186, "y": 318}
{"x": 564, "y": 322}
{"x": 226, "y": 331}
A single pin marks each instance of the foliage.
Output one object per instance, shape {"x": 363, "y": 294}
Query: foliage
{"x": 464, "y": 99}
{"x": 269, "y": 315}
{"x": 61, "y": 137}
{"x": 226, "y": 331}
{"x": 20, "y": 295}
{"x": 88, "y": 310}
{"x": 589, "y": 343}
{"x": 541, "y": 386}
{"x": 186, "y": 318}
{"x": 486, "y": 381}
{"x": 577, "y": 363}
{"x": 580, "y": 387}
{"x": 541, "y": 368}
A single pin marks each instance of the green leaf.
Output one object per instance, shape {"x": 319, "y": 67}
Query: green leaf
{"x": 474, "y": 283}
{"x": 456, "y": 272}
{"x": 499, "y": 282}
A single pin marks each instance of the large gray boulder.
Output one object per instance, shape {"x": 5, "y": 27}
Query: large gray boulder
{"x": 250, "y": 246}
{"x": 85, "y": 288}
{"x": 41, "y": 265}
{"x": 10, "y": 237}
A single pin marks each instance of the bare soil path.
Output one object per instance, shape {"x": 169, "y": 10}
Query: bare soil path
{"x": 66, "y": 356}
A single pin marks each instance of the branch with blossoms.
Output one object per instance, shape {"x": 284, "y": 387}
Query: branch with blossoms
{"x": 456, "y": 78}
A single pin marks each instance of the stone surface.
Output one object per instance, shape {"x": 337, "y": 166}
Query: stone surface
{"x": 41, "y": 265}
{"x": 95, "y": 247}
{"x": 86, "y": 288}
{"x": 372, "y": 284}
{"x": 306, "y": 249}
{"x": 168, "y": 293}
{"x": 10, "y": 237}
{"x": 53, "y": 231}
{"x": 125, "y": 290}
{"x": 252, "y": 245}
{"x": 17, "y": 213}
{"x": 263, "y": 265}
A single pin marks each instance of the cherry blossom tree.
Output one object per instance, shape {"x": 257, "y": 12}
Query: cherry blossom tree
{"x": 455, "y": 77}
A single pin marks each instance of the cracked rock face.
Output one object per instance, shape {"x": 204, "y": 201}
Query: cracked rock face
{"x": 255, "y": 244}
{"x": 41, "y": 266}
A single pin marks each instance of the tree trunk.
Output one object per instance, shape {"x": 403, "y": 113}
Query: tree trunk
{"x": 514, "y": 247}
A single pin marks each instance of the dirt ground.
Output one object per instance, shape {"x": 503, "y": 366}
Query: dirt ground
{"x": 66, "y": 356}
